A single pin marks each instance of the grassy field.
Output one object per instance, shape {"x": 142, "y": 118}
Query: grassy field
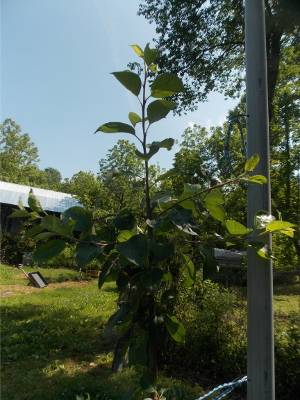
{"x": 52, "y": 343}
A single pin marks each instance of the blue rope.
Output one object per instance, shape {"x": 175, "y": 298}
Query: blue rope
{"x": 228, "y": 386}
{"x": 226, "y": 158}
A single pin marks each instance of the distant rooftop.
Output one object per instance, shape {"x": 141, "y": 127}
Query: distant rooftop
{"x": 50, "y": 200}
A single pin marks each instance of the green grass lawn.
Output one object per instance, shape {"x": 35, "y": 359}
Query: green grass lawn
{"x": 52, "y": 343}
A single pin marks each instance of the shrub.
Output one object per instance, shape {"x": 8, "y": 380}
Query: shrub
{"x": 215, "y": 342}
{"x": 287, "y": 362}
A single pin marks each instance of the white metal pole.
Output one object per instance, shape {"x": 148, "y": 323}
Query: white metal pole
{"x": 260, "y": 357}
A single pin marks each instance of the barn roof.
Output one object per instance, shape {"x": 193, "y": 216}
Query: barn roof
{"x": 50, "y": 200}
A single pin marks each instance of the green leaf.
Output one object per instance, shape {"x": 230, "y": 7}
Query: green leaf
{"x": 116, "y": 127}
{"x": 166, "y": 84}
{"x": 82, "y": 218}
{"x": 217, "y": 212}
{"x": 258, "y": 179}
{"x": 262, "y": 218}
{"x": 279, "y": 225}
{"x": 235, "y": 228}
{"x": 151, "y": 279}
{"x": 19, "y": 213}
{"x": 211, "y": 265}
{"x": 33, "y": 231}
{"x": 149, "y": 54}
{"x": 43, "y": 235}
{"x": 126, "y": 324}
{"x": 138, "y": 352}
{"x": 147, "y": 156}
{"x": 189, "y": 187}
{"x": 168, "y": 296}
{"x": 166, "y": 143}
{"x": 115, "y": 318}
{"x": 52, "y": 223}
{"x": 189, "y": 271}
{"x": 159, "y": 198}
{"x": 34, "y": 203}
{"x": 106, "y": 267}
{"x": 130, "y": 80}
{"x": 161, "y": 251}
{"x": 175, "y": 329}
{"x": 113, "y": 173}
{"x": 85, "y": 253}
{"x": 20, "y": 204}
{"x": 183, "y": 219}
{"x": 154, "y": 68}
{"x": 147, "y": 382}
{"x": 171, "y": 172}
{"x": 214, "y": 198}
{"x": 159, "y": 109}
{"x": 252, "y": 163}
{"x": 187, "y": 203}
{"x": 262, "y": 249}
{"x": 124, "y": 222}
{"x": 137, "y": 49}
{"x": 134, "y": 118}
{"x": 49, "y": 250}
{"x": 136, "y": 250}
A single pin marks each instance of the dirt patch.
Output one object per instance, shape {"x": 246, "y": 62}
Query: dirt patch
{"x": 13, "y": 290}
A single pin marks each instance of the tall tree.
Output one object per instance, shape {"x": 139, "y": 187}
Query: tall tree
{"x": 53, "y": 179}
{"x": 203, "y": 42}
{"x": 124, "y": 190}
{"x": 18, "y": 155}
{"x": 87, "y": 189}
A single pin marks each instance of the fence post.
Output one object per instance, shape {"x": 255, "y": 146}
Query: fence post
{"x": 260, "y": 357}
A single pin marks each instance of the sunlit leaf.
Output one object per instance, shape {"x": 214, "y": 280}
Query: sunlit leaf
{"x": 34, "y": 203}
{"x": 217, "y": 212}
{"x": 134, "y": 118}
{"x": 129, "y": 80}
{"x": 166, "y": 84}
{"x": 252, "y": 163}
{"x": 137, "y": 49}
{"x": 20, "y": 204}
{"x": 159, "y": 109}
{"x": 213, "y": 198}
{"x": 149, "y": 54}
{"x": 258, "y": 179}
{"x": 279, "y": 225}
{"x": 235, "y": 228}
{"x": 262, "y": 249}
{"x": 19, "y": 213}
{"x": 116, "y": 127}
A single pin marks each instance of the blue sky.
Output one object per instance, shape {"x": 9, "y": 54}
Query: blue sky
{"x": 56, "y": 59}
